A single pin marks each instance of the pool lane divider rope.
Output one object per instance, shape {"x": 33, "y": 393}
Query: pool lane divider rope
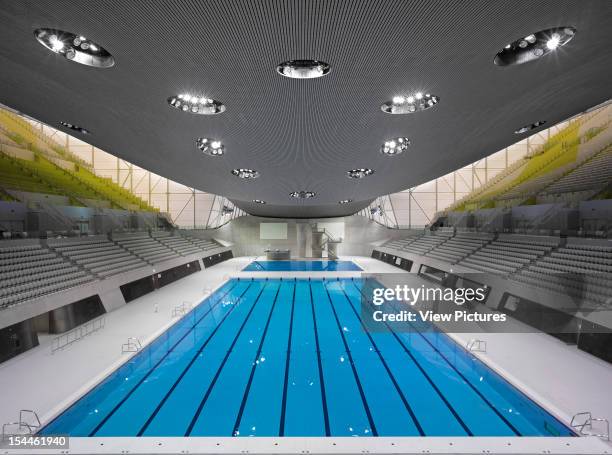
{"x": 384, "y": 363}
{"x": 320, "y": 364}
{"x": 469, "y": 383}
{"x": 227, "y": 354}
{"x": 133, "y": 389}
{"x": 254, "y": 366}
{"x": 281, "y": 431}
{"x": 352, "y": 363}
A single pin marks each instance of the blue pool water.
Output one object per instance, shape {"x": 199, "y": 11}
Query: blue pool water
{"x": 290, "y": 358}
{"x": 302, "y": 266}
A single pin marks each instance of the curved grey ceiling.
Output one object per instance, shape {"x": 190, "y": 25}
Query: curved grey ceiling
{"x": 304, "y": 134}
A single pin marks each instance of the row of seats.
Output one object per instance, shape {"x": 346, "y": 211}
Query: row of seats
{"x": 399, "y": 244}
{"x": 457, "y": 248}
{"x": 29, "y": 271}
{"x": 592, "y": 291}
{"x": 574, "y": 170}
{"x": 19, "y": 250}
{"x": 425, "y": 243}
{"x": 595, "y": 173}
{"x": 147, "y": 248}
{"x": 531, "y": 186}
{"x": 162, "y": 246}
{"x": 574, "y": 259}
{"x": 100, "y": 256}
{"x": 507, "y": 255}
{"x": 579, "y": 270}
{"x": 502, "y": 256}
{"x": 204, "y": 245}
{"x": 46, "y": 286}
{"x": 10, "y": 263}
{"x": 38, "y": 267}
{"x": 179, "y": 244}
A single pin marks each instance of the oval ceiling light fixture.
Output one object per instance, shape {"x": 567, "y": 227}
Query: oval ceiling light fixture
{"x": 75, "y": 48}
{"x": 258, "y": 201}
{"x": 534, "y": 46}
{"x": 524, "y": 129}
{"x": 245, "y": 173}
{"x": 303, "y": 194}
{"x": 409, "y": 104}
{"x": 359, "y": 173}
{"x": 212, "y": 147}
{"x": 345, "y": 201}
{"x": 196, "y": 104}
{"x": 303, "y": 69}
{"x": 76, "y": 128}
{"x": 394, "y": 147}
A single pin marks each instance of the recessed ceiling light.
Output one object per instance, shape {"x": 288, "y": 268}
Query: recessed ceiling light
{"x": 303, "y": 194}
{"x": 359, "y": 173}
{"x": 212, "y": 147}
{"x": 74, "y": 47}
{"x": 408, "y": 104}
{"x": 303, "y": 69}
{"x": 394, "y": 147}
{"x": 526, "y": 128}
{"x": 534, "y": 46}
{"x": 76, "y": 128}
{"x": 245, "y": 173}
{"x": 258, "y": 201}
{"x": 196, "y": 104}
{"x": 345, "y": 201}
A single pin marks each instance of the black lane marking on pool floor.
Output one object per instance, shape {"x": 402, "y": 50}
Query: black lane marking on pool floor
{"x": 478, "y": 392}
{"x": 133, "y": 389}
{"x": 254, "y": 366}
{"x": 350, "y": 357}
{"x": 227, "y": 354}
{"x": 469, "y": 383}
{"x": 320, "y": 364}
{"x": 425, "y": 374}
{"x": 281, "y": 431}
{"x": 189, "y": 365}
{"x": 383, "y": 361}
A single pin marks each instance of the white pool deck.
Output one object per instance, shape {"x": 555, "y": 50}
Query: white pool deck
{"x": 561, "y": 378}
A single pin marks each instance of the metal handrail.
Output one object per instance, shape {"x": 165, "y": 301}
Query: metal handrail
{"x": 180, "y": 310}
{"x": 588, "y": 423}
{"x": 20, "y": 424}
{"x": 31, "y": 412}
{"x": 133, "y": 344}
{"x": 76, "y": 334}
{"x": 476, "y": 345}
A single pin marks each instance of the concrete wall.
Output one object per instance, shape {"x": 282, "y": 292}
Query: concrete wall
{"x": 360, "y": 235}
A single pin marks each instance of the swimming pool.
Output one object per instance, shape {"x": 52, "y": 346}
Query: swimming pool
{"x": 302, "y": 266}
{"x": 289, "y": 358}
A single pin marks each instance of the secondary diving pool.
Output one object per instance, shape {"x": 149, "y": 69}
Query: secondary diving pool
{"x": 302, "y": 266}
{"x": 289, "y": 358}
